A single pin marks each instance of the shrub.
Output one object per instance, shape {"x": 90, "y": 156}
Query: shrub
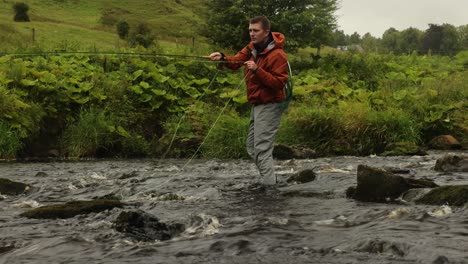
{"x": 21, "y": 12}
{"x": 349, "y": 128}
{"x": 122, "y": 29}
{"x": 227, "y": 139}
{"x": 141, "y": 35}
{"x": 10, "y": 143}
{"x": 93, "y": 131}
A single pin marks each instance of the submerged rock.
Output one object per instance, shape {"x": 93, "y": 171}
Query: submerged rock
{"x": 379, "y": 185}
{"x": 71, "y": 209}
{"x": 452, "y": 163}
{"x": 303, "y": 176}
{"x": 146, "y": 227}
{"x": 13, "y": 188}
{"x": 455, "y": 195}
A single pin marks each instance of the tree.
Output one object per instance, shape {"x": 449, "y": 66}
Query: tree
{"x": 370, "y": 43}
{"x": 450, "y": 44}
{"x": 355, "y": 38}
{"x": 409, "y": 40}
{"x": 432, "y": 39}
{"x": 141, "y": 35}
{"x": 122, "y": 29}
{"x": 339, "y": 38}
{"x": 304, "y": 22}
{"x": 390, "y": 39}
{"x": 21, "y": 12}
{"x": 442, "y": 39}
{"x": 463, "y": 37}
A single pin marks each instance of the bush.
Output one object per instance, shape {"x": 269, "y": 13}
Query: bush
{"x": 92, "y": 132}
{"x": 10, "y": 143}
{"x": 349, "y": 128}
{"x": 21, "y": 12}
{"x": 122, "y": 29}
{"x": 141, "y": 35}
{"x": 227, "y": 139}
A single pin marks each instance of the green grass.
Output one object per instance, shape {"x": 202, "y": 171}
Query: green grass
{"x": 78, "y": 24}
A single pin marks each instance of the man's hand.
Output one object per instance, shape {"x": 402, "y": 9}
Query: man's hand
{"x": 216, "y": 56}
{"x": 251, "y": 65}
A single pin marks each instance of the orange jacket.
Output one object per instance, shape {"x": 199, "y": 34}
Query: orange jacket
{"x": 266, "y": 85}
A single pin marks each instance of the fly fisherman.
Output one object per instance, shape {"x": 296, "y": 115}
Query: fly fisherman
{"x": 266, "y": 70}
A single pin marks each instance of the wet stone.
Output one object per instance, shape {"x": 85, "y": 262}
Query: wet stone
{"x": 13, "y": 188}
{"x": 71, "y": 209}
{"x": 453, "y": 195}
{"x": 146, "y": 227}
{"x": 452, "y": 163}
{"x": 303, "y": 176}
{"x": 284, "y": 152}
{"x": 41, "y": 174}
{"x": 4, "y": 249}
{"x": 379, "y": 185}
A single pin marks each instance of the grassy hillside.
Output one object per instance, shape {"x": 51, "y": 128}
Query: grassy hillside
{"x": 90, "y": 24}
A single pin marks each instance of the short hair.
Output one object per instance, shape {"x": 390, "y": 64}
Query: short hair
{"x": 262, "y": 20}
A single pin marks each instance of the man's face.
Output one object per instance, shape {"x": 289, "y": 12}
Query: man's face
{"x": 257, "y": 34}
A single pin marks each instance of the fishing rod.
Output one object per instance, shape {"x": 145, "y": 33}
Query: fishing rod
{"x": 204, "y": 58}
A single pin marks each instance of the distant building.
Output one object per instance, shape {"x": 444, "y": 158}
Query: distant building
{"x": 353, "y": 47}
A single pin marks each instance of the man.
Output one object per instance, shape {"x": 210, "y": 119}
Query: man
{"x": 266, "y": 69}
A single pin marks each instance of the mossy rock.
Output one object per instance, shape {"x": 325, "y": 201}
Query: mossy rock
{"x": 454, "y": 195}
{"x": 403, "y": 148}
{"x": 13, "y": 188}
{"x": 71, "y": 209}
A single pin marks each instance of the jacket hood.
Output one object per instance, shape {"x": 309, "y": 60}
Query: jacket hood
{"x": 279, "y": 39}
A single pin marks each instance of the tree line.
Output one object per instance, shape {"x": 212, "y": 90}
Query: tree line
{"x": 445, "y": 39}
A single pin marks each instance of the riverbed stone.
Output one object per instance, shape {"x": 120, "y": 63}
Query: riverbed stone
{"x": 452, "y": 163}
{"x": 403, "y": 148}
{"x": 71, "y": 209}
{"x": 444, "y": 142}
{"x": 452, "y": 195}
{"x": 285, "y": 152}
{"x": 303, "y": 176}
{"x": 379, "y": 185}
{"x": 9, "y": 187}
{"x": 146, "y": 227}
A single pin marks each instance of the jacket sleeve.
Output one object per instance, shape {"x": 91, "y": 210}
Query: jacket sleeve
{"x": 237, "y": 61}
{"x": 275, "y": 73}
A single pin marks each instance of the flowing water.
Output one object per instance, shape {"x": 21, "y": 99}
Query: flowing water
{"x": 226, "y": 219}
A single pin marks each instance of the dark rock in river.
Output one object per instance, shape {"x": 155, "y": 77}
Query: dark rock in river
{"x": 71, "y": 209}
{"x": 452, "y": 163}
{"x": 378, "y": 185}
{"x": 454, "y": 195}
{"x": 284, "y": 152}
{"x": 146, "y": 227}
{"x": 303, "y": 176}
{"x": 13, "y": 188}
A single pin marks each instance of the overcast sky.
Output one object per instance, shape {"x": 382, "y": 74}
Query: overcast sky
{"x": 376, "y": 16}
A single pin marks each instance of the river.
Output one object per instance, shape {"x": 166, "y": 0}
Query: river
{"x": 228, "y": 220}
